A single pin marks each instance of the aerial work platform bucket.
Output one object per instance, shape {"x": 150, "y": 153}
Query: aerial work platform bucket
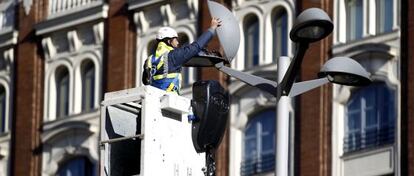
{"x": 145, "y": 131}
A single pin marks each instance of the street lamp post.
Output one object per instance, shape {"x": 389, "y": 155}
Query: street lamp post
{"x": 311, "y": 25}
{"x": 282, "y": 123}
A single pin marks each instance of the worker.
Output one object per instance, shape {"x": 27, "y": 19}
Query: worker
{"x": 163, "y": 67}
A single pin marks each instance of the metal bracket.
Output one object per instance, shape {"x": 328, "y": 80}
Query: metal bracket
{"x": 255, "y": 81}
{"x": 109, "y": 141}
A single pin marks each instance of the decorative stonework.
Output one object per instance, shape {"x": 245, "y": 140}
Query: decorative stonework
{"x": 245, "y": 99}
{"x": 379, "y": 54}
{"x": 69, "y": 139}
{"x": 264, "y": 11}
{"x": 69, "y": 41}
{"x": 6, "y": 75}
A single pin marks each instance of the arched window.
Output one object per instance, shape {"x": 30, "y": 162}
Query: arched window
{"x": 62, "y": 92}
{"x": 354, "y": 19}
{"x": 384, "y": 9}
{"x": 370, "y": 118}
{"x": 80, "y": 166}
{"x": 251, "y": 41}
{"x": 259, "y": 144}
{"x": 88, "y": 86}
{"x": 3, "y": 120}
{"x": 280, "y": 33}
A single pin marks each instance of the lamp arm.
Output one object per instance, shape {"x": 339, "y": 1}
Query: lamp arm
{"x": 302, "y": 87}
{"x": 255, "y": 81}
{"x": 293, "y": 70}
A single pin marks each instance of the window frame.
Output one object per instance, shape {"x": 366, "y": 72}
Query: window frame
{"x": 61, "y": 73}
{"x": 353, "y": 31}
{"x": 3, "y": 113}
{"x": 88, "y": 67}
{"x": 88, "y": 166}
{"x": 360, "y": 140}
{"x": 250, "y": 20}
{"x": 258, "y": 162}
{"x": 281, "y": 14}
{"x": 381, "y": 20}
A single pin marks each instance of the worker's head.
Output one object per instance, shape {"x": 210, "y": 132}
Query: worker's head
{"x": 168, "y": 35}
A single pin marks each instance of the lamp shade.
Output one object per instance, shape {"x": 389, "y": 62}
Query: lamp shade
{"x": 345, "y": 71}
{"x": 311, "y": 25}
{"x": 229, "y": 32}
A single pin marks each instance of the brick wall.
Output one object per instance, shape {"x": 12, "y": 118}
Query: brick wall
{"x": 313, "y": 117}
{"x": 119, "y": 64}
{"x": 29, "y": 87}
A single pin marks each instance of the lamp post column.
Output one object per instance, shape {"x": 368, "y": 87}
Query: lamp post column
{"x": 282, "y": 123}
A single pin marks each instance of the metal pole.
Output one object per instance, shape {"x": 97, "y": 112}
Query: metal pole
{"x": 282, "y": 124}
{"x": 139, "y": 136}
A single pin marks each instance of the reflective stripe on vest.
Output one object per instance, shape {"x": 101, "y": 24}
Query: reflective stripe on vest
{"x": 169, "y": 75}
{"x": 172, "y": 80}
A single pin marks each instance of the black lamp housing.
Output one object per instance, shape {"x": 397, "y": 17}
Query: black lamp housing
{"x": 345, "y": 71}
{"x": 311, "y": 25}
{"x": 210, "y": 105}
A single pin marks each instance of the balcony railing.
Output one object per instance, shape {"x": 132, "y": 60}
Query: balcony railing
{"x": 258, "y": 165}
{"x": 61, "y": 6}
{"x": 371, "y": 138}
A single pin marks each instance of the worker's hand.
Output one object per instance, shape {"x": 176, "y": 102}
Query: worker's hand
{"x": 215, "y": 23}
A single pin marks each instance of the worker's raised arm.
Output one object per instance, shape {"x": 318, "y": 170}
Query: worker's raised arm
{"x": 180, "y": 56}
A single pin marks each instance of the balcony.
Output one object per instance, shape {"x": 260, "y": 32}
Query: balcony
{"x": 61, "y": 7}
{"x": 66, "y": 14}
{"x": 369, "y": 139}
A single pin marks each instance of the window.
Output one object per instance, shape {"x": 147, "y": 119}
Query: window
{"x": 280, "y": 34}
{"x": 7, "y": 17}
{"x": 3, "y": 120}
{"x": 384, "y": 9}
{"x": 354, "y": 18}
{"x": 259, "y": 144}
{"x": 62, "y": 93}
{"x": 251, "y": 36}
{"x": 80, "y": 166}
{"x": 88, "y": 86}
{"x": 370, "y": 118}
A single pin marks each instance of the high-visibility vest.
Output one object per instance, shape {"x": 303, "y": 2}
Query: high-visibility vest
{"x": 160, "y": 76}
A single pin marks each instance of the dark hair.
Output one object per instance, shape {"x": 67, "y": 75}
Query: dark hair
{"x": 165, "y": 40}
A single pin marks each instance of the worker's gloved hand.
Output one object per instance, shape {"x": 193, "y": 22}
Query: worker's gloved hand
{"x": 206, "y": 52}
{"x": 215, "y": 23}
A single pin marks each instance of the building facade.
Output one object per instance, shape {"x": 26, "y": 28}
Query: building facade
{"x": 366, "y": 122}
{"x": 59, "y": 57}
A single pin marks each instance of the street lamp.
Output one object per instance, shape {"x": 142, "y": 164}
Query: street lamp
{"x": 311, "y": 25}
{"x": 345, "y": 71}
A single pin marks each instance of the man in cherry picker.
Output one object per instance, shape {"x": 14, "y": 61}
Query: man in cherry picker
{"x": 163, "y": 67}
